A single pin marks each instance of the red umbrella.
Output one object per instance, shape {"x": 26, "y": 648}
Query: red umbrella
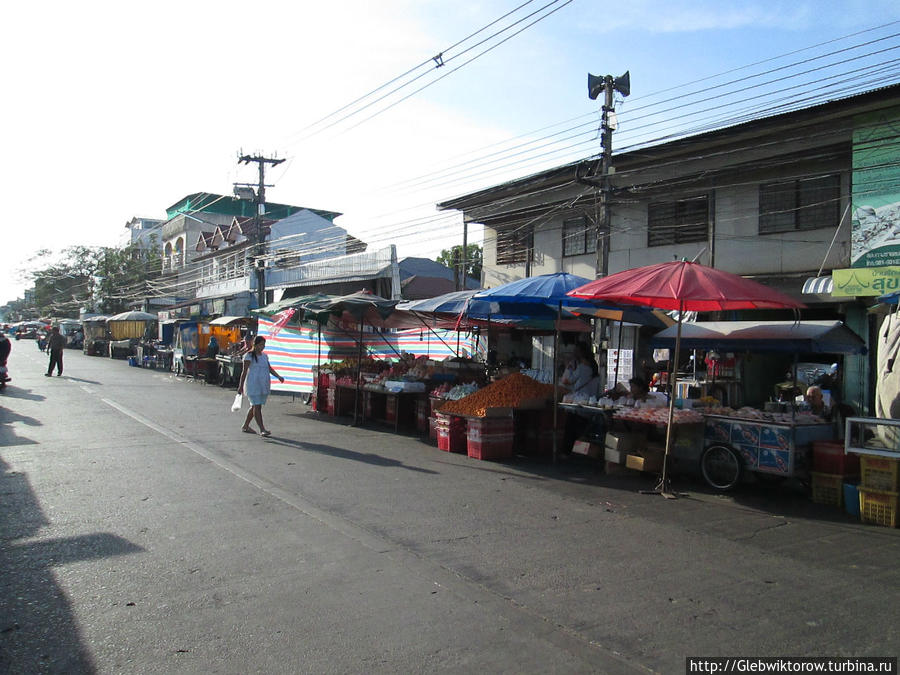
{"x": 686, "y": 287}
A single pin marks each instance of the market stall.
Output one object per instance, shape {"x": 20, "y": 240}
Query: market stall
{"x": 682, "y": 286}
{"x": 127, "y": 329}
{"x": 96, "y": 336}
{"x": 773, "y": 438}
{"x": 227, "y": 350}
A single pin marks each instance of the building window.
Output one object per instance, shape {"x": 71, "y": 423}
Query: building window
{"x": 575, "y": 236}
{"x": 515, "y": 244}
{"x": 804, "y": 204}
{"x": 678, "y": 222}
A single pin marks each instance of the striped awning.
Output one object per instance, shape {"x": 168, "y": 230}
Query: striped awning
{"x": 818, "y": 285}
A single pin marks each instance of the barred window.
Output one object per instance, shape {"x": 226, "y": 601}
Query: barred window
{"x": 678, "y": 222}
{"x": 575, "y": 236}
{"x": 804, "y": 204}
{"x": 515, "y": 244}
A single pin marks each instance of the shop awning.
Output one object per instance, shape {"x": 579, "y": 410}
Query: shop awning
{"x": 818, "y": 285}
{"x": 825, "y": 337}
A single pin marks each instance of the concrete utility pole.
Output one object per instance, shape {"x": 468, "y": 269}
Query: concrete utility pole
{"x": 260, "y": 212}
{"x": 607, "y": 85}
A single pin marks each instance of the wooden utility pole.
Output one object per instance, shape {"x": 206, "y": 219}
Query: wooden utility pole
{"x": 259, "y": 247}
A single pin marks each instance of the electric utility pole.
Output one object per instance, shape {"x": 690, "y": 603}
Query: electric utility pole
{"x": 607, "y": 85}
{"x": 259, "y": 247}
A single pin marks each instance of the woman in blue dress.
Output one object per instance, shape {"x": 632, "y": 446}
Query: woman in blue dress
{"x": 256, "y": 384}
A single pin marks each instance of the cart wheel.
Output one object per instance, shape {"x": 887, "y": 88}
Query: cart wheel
{"x": 721, "y": 467}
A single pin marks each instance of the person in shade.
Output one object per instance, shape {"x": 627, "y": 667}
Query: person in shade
{"x": 55, "y": 345}
{"x": 256, "y": 384}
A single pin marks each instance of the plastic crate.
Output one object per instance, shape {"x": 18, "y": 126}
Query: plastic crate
{"x": 828, "y": 489}
{"x": 422, "y": 416}
{"x": 488, "y": 427}
{"x": 390, "y": 409}
{"x": 829, "y": 457}
{"x": 878, "y": 506}
{"x": 451, "y": 440}
{"x": 879, "y": 473}
{"x": 432, "y": 429}
{"x": 499, "y": 446}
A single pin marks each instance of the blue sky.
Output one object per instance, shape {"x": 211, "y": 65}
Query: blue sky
{"x": 117, "y": 110}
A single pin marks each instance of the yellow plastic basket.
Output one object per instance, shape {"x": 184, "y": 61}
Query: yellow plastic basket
{"x": 878, "y": 507}
{"x": 879, "y": 473}
{"x": 828, "y": 489}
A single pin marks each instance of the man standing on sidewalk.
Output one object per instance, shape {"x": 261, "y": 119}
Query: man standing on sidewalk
{"x": 55, "y": 345}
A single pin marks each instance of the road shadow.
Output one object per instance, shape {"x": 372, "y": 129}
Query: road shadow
{"x": 8, "y": 437}
{"x": 38, "y": 628}
{"x": 17, "y": 392}
{"x": 343, "y": 453}
{"x": 80, "y": 379}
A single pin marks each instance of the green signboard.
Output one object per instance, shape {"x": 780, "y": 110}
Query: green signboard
{"x": 876, "y": 190}
{"x": 871, "y": 281}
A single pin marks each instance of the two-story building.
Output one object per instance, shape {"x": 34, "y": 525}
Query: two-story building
{"x": 212, "y": 245}
{"x": 772, "y": 199}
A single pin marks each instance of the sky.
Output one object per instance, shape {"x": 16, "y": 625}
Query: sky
{"x": 114, "y": 110}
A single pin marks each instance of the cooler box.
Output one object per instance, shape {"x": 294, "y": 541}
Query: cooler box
{"x": 490, "y": 438}
{"x": 829, "y": 457}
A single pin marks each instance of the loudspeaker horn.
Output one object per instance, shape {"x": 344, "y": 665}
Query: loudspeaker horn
{"x": 596, "y": 84}
{"x": 623, "y": 84}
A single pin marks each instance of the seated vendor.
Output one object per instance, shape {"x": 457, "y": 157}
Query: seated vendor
{"x": 212, "y": 349}
{"x": 816, "y": 400}
{"x": 579, "y": 376}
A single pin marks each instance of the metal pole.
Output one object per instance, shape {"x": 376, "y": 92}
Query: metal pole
{"x": 663, "y": 485}
{"x": 358, "y": 372}
{"x": 556, "y": 381}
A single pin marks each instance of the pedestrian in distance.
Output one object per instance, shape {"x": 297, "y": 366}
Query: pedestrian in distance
{"x": 5, "y": 348}
{"x": 256, "y": 383}
{"x": 55, "y": 345}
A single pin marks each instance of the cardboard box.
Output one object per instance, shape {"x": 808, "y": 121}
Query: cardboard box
{"x": 648, "y": 460}
{"x": 614, "y": 456}
{"x": 612, "y": 468}
{"x": 587, "y": 449}
{"x": 624, "y": 441}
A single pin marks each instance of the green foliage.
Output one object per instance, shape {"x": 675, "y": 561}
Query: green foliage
{"x": 106, "y": 279}
{"x": 473, "y": 261}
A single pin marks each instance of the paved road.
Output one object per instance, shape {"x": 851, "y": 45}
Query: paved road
{"x": 141, "y": 532}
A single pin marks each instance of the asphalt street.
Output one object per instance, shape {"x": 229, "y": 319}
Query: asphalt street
{"x": 142, "y": 532}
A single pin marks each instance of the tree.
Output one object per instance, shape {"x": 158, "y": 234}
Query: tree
{"x": 107, "y": 279}
{"x": 473, "y": 260}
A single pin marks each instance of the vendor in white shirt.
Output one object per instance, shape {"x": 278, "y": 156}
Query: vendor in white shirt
{"x": 639, "y": 392}
{"x": 580, "y": 376}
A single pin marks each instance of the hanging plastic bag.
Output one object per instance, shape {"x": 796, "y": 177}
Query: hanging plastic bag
{"x": 238, "y": 400}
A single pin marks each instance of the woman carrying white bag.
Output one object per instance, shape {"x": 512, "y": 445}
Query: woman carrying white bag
{"x": 256, "y": 384}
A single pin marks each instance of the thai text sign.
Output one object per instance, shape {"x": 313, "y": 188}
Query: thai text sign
{"x": 866, "y": 281}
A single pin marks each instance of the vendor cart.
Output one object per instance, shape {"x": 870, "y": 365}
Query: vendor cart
{"x": 769, "y": 444}
{"x": 732, "y": 445}
{"x": 230, "y": 367}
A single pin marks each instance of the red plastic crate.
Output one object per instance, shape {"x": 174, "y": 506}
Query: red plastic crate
{"x": 432, "y": 429}
{"x": 829, "y": 457}
{"x": 499, "y": 446}
{"x": 390, "y": 409}
{"x": 451, "y": 440}
{"x": 481, "y": 427}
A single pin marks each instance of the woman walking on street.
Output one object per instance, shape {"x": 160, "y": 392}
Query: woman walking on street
{"x": 256, "y": 383}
